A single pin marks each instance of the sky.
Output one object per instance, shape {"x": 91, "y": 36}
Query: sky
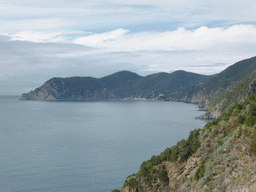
{"x": 41, "y": 39}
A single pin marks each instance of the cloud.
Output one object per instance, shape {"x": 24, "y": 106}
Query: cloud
{"x": 98, "y": 40}
{"x": 87, "y": 15}
{"x": 37, "y": 36}
{"x": 180, "y": 39}
{"x": 42, "y": 55}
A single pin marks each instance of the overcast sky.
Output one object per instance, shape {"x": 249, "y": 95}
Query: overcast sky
{"x": 41, "y": 39}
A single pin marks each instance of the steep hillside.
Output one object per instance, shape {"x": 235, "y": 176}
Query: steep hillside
{"x": 226, "y": 88}
{"x": 220, "y": 157}
{"x": 121, "y": 85}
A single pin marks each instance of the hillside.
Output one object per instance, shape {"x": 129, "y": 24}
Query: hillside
{"x": 121, "y": 85}
{"x": 220, "y": 157}
{"x": 223, "y": 90}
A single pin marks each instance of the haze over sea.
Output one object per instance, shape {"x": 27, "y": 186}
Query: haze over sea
{"x": 85, "y": 146}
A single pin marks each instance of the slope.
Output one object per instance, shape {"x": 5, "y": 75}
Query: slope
{"x": 223, "y": 89}
{"x": 120, "y": 85}
{"x": 220, "y": 157}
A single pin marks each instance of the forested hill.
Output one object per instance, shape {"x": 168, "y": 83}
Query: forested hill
{"x": 121, "y": 85}
{"x": 214, "y": 93}
{"x": 234, "y": 84}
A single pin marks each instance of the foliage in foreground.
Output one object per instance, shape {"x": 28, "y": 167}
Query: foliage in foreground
{"x": 177, "y": 153}
{"x": 116, "y": 190}
{"x": 238, "y": 121}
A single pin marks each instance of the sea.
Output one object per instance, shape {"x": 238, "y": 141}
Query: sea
{"x": 91, "y": 146}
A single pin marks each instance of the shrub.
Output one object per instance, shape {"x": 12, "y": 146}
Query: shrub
{"x": 156, "y": 160}
{"x": 200, "y": 170}
{"x": 132, "y": 183}
{"x": 116, "y": 190}
{"x": 238, "y": 106}
{"x": 184, "y": 150}
{"x": 165, "y": 155}
{"x": 174, "y": 154}
{"x": 241, "y": 119}
{"x": 247, "y": 102}
{"x": 177, "y": 153}
{"x": 246, "y": 131}
{"x": 252, "y": 148}
{"x": 250, "y": 121}
{"x": 217, "y": 140}
{"x": 240, "y": 131}
{"x": 215, "y": 132}
{"x": 163, "y": 176}
{"x": 252, "y": 109}
{"x": 193, "y": 140}
{"x": 252, "y": 97}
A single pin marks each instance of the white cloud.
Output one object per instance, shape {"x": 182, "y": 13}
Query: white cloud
{"x": 37, "y": 36}
{"x": 63, "y": 14}
{"x": 99, "y": 40}
{"x": 192, "y": 50}
{"x": 181, "y": 39}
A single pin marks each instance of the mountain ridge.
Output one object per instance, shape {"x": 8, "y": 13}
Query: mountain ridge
{"x": 213, "y": 93}
{"x": 120, "y": 85}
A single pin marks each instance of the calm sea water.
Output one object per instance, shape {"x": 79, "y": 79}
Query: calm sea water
{"x": 84, "y": 146}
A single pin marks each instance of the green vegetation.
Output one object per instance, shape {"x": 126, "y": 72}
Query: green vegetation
{"x": 200, "y": 170}
{"x": 116, "y": 190}
{"x": 238, "y": 121}
{"x": 177, "y": 153}
{"x": 131, "y": 181}
{"x": 236, "y": 125}
{"x": 163, "y": 176}
{"x": 253, "y": 145}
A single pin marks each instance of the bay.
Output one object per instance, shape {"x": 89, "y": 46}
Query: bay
{"x": 85, "y": 146}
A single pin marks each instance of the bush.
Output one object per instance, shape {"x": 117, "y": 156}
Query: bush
{"x": 193, "y": 140}
{"x": 145, "y": 168}
{"x": 252, "y": 109}
{"x": 200, "y": 170}
{"x": 252, "y": 148}
{"x": 215, "y": 132}
{"x": 247, "y": 102}
{"x": 163, "y": 176}
{"x": 165, "y": 155}
{"x": 131, "y": 182}
{"x": 250, "y": 121}
{"x": 218, "y": 141}
{"x": 241, "y": 119}
{"x": 177, "y": 153}
{"x": 185, "y": 150}
{"x": 116, "y": 190}
{"x": 174, "y": 154}
{"x": 252, "y": 97}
